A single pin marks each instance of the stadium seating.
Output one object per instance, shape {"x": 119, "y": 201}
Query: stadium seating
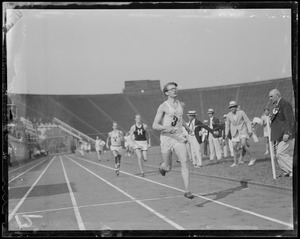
{"x": 93, "y": 114}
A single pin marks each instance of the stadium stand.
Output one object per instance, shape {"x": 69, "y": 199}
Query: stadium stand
{"x": 93, "y": 114}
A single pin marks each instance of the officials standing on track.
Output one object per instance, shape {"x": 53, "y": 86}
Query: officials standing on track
{"x": 239, "y": 125}
{"x": 140, "y": 135}
{"x": 195, "y": 137}
{"x": 213, "y": 139}
{"x": 169, "y": 120}
{"x": 283, "y": 132}
{"x": 115, "y": 139}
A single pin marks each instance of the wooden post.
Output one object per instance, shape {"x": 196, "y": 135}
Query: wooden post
{"x": 271, "y": 149}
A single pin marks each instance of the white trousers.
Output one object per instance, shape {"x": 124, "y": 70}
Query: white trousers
{"x": 228, "y": 147}
{"x": 214, "y": 147}
{"x": 195, "y": 150}
{"x": 284, "y": 152}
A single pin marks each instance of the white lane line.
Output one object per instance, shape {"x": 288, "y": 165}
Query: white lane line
{"x": 25, "y": 172}
{"x": 21, "y": 167}
{"x": 74, "y": 203}
{"x": 132, "y": 198}
{"x": 290, "y": 225}
{"x": 27, "y": 193}
{"x": 97, "y": 205}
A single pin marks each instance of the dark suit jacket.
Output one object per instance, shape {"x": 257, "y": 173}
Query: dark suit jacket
{"x": 198, "y": 126}
{"x": 216, "y": 127}
{"x": 282, "y": 121}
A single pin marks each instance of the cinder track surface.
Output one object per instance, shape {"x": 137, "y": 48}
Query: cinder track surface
{"x": 77, "y": 192}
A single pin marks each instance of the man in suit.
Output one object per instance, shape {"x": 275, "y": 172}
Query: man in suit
{"x": 204, "y": 139}
{"x": 282, "y": 132}
{"x": 195, "y": 138}
{"x": 227, "y": 143}
{"x": 239, "y": 125}
{"x": 213, "y": 139}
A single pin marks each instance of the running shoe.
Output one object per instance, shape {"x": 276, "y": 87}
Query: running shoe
{"x": 267, "y": 152}
{"x": 252, "y": 161}
{"x": 240, "y": 162}
{"x": 189, "y": 195}
{"x": 233, "y": 165}
{"x": 162, "y": 172}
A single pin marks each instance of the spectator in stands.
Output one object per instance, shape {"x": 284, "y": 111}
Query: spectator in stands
{"x": 213, "y": 139}
{"x": 239, "y": 125}
{"x": 263, "y": 122}
{"x": 204, "y": 138}
{"x": 282, "y": 132}
{"x": 226, "y": 142}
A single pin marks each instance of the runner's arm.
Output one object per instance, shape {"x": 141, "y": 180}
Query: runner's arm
{"x": 158, "y": 117}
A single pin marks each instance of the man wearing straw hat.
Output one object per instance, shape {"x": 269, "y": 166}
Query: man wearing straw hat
{"x": 194, "y": 137}
{"x": 239, "y": 125}
{"x": 213, "y": 139}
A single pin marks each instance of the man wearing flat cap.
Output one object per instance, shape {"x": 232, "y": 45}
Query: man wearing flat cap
{"x": 195, "y": 138}
{"x": 213, "y": 139}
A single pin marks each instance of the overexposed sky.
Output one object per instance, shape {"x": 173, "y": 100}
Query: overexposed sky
{"x": 96, "y": 51}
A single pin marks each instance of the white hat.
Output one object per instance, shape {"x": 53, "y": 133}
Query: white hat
{"x": 232, "y": 104}
{"x": 256, "y": 120}
{"x": 210, "y": 111}
{"x": 224, "y": 116}
{"x": 192, "y": 112}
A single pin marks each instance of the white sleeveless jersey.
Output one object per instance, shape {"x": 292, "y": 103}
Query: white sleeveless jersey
{"x": 173, "y": 118}
{"x": 115, "y": 138}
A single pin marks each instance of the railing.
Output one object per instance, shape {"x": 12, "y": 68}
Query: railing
{"x": 69, "y": 129}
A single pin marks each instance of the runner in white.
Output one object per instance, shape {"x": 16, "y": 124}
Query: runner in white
{"x": 115, "y": 137}
{"x": 99, "y": 144}
{"x": 169, "y": 120}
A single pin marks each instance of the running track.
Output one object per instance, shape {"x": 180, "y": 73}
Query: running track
{"x": 75, "y": 192}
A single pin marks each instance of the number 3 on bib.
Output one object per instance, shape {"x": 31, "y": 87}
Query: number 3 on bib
{"x": 175, "y": 120}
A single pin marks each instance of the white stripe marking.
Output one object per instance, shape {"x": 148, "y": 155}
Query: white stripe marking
{"x": 21, "y": 167}
{"x": 76, "y": 210}
{"x": 131, "y": 197}
{"x": 25, "y": 171}
{"x": 97, "y": 205}
{"x": 208, "y": 199}
{"x": 27, "y": 193}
